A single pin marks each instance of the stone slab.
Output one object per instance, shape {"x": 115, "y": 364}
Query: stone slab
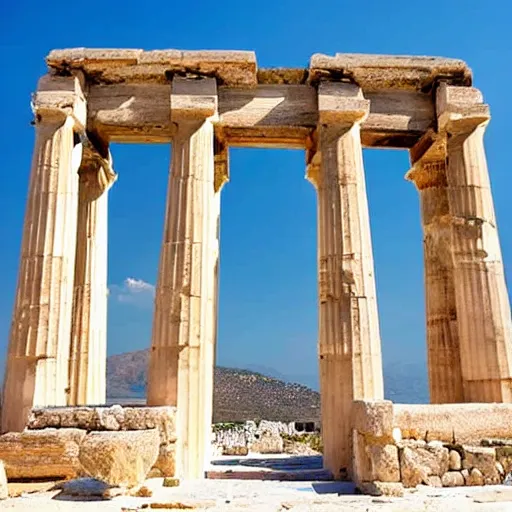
{"x": 120, "y": 459}
{"x": 373, "y": 417}
{"x": 374, "y": 72}
{"x": 48, "y": 453}
{"x": 234, "y": 68}
{"x": 114, "y": 418}
{"x": 454, "y": 423}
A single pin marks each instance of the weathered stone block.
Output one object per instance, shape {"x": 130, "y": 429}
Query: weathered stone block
{"x": 373, "y": 417}
{"x": 48, "y": 453}
{"x": 121, "y": 459}
{"x": 454, "y": 461}
{"x": 107, "y": 418}
{"x": 459, "y": 423}
{"x": 474, "y": 477}
{"x": 504, "y": 457}
{"x": 166, "y": 461}
{"x": 418, "y": 464}
{"x": 268, "y": 443}
{"x": 483, "y": 459}
{"x": 433, "y": 481}
{"x": 384, "y": 463}
{"x": 382, "y": 488}
{"x": 452, "y": 479}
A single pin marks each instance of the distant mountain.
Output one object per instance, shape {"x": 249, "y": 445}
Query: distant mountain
{"x": 238, "y": 394}
{"x": 258, "y": 392}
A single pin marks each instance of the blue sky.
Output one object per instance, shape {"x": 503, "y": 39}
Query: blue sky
{"x": 268, "y": 246}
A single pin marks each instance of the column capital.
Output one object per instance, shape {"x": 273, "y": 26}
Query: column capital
{"x": 428, "y": 159}
{"x": 193, "y": 99}
{"x": 59, "y": 98}
{"x": 341, "y": 103}
{"x": 221, "y": 164}
{"x": 460, "y": 109}
{"x": 96, "y": 169}
{"x": 313, "y": 160}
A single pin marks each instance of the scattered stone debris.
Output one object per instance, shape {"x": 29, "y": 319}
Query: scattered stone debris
{"x": 171, "y": 482}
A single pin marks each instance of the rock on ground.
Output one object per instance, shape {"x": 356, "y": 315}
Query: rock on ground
{"x": 120, "y": 459}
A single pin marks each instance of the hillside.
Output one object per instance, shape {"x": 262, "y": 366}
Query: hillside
{"x": 238, "y": 394}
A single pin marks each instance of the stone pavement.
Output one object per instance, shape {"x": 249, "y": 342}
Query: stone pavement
{"x": 272, "y": 496}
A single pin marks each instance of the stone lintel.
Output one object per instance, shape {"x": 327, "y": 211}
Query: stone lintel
{"x": 58, "y": 96}
{"x": 193, "y": 99}
{"x": 460, "y": 109}
{"x": 340, "y": 102}
{"x": 374, "y": 72}
{"x": 108, "y": 66}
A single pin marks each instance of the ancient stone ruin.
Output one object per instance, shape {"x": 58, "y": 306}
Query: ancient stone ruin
{"x": 203, "y": 102}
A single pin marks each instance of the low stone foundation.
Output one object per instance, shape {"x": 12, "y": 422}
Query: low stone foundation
{"x": 56, "y": 440}
{"x": 447, "y": 445}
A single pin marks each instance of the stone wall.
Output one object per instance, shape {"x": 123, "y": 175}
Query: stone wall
{"x": 62, "y": 442}
{"x": 447, "y": 445}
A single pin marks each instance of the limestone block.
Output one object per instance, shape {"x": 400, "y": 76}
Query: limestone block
{"x": 107, "y": 418}
{"x": 452, "y": 479}
{"x": 418, "y": 464}
{"x": 4, "y": 494}
{"x": 267, "y": 443}
{"x": 474, "y": 477}
{"x": 384, "y": 463}
{"x": 433, "y": 481}
{"x": 233, "y": 68}
{"x": 382, "y": 489}
{"x": 454, "y": 461}
{"x": 121, "y": 459}
{"x": 237, "y": 450}
{"x": 373, "y": 417}
{"x": 390, "y": 71}
{"x": 166, "y": 461}
{"x": 483, "y": 459}
{"x": 453, "y": 423}
{"x": 47, "y": 453}
{"x": 194, "y": 99}
{"x": 504, "y": 457}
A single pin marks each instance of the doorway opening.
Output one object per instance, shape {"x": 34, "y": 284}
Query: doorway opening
{"x": 398, "y": 260}
{"x": 266, "y": 411}
{"x": 136, "y": 218}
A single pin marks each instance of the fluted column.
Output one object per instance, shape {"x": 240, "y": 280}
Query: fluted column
{"x": 182, "y": 351}
{"x": 349, "y": 339}
{"x": 88, "y": 353}
{"x": 37, "y": 360}
{"x": 483, "y": 307}
{"x": 428, "y": 173}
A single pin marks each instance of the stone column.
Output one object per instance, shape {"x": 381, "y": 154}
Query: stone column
{"x": 349, "y": 339}
{"x": 483, "y": 308}
{"x": 88, "y": 357}
{"x": 37, "y": 359}
{"x": 182, "y": 351}
{"x": 428, "y": 173}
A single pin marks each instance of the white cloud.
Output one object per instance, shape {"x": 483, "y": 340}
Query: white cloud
{"x": 133, "y": 291}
